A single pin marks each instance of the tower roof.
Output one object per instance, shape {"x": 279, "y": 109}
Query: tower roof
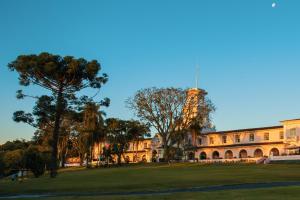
{"x": 196, "y": 90}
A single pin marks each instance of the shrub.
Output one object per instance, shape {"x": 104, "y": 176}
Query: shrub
{"x": 34, "y": 161}
{"x": 14, "y": 145}
{"x": 14, "y": 159}
{"x": 47, "y": 159}
{"x": 2, "y": 165}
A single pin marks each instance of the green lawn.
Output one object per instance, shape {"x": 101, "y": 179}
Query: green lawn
{"x": 288, "y": 193}
{"x": 157, "y": 177}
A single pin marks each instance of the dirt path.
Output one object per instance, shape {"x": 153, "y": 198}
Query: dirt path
{"x": 158, "y": 192}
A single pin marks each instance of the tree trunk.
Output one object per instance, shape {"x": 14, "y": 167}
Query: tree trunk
{"x": 59, "y": 109}
{"x": 99, "y": 154}
{"x": 81, "y": 159}
{"x": 119, "y": 159}
{"x": 91, "y": 148}
{"x": 63, "y": 159}
{"x": 136, "y": 151}
{"x": 87, "y": 161}
{"x": 166, "y": 154}
{"x": 166, "y": 150}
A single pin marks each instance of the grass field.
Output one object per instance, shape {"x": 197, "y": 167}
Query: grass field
{"x": 155, "y": 177}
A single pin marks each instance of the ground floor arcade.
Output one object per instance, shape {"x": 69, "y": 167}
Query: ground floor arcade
{"x": 234, "y": 152}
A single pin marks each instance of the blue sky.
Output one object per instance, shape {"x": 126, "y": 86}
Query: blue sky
{"x": 248, "y": 52}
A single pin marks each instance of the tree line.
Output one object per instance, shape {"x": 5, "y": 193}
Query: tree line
{"x": 68, "y": 122}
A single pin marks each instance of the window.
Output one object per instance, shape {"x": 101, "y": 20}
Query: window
{"x": 211, "y": 140}
{"x": 281, "y": 136}
{"x": 224, "y": 139}
{"x": 145, "y": 145}
{"x": 251, "y": 137}
{"x": 266, "y": 136}
{"x": 237, "y": 139}
{"x": 292, "y": 134}
{"x": 199, "y": 141}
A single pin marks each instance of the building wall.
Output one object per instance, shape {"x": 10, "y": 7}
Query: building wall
{"x": 244, "y": 137}
{"x": 256, "y": 143}
{"x": 140, "y": 150}
{"x": 284, "y": 139}
{"x": 289, "y": 127}
{"x": 281, "y": 140}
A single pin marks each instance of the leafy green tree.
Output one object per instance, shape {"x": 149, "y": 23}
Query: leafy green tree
{"x": 118, "y": 136}
{"x": 2, "y": 165}
{"x": 172, "y": 111}
{"x": 138, "y": 132}
{"x": 63, "y": 78}
{"x": 107, "y": 154}
{"x": 68, "y": 129}
{"x": 33, "y": 159}
{"x": 92, "y": 130}
{"x": 121, "y": 132}
{"x": 43, "y": 112}
{"x": 14, "y": 159}
{"x": 14, "y": 145}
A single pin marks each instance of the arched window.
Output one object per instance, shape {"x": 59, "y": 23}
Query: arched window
{"x": 228, "y": 154}
{"x": 215, "y": 155}
{"x": 274, "y": 152}
{"x": 203, "y": 156}
{"x": 243, "y": 154}
{"x": 258, "y": 153}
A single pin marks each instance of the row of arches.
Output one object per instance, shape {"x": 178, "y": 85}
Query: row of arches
{"x": 242, "y": 154}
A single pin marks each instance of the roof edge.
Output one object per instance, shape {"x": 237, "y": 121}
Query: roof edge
{"x": 290, "y": 120}
{"x": 243, "y": 130}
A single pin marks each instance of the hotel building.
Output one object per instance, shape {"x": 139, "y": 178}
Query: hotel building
{"x": 242, "y": 144}
{"x": 249, "y": 143}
